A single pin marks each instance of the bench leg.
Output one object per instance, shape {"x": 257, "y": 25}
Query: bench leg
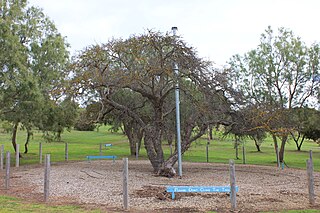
{"x": 172, "y": 196}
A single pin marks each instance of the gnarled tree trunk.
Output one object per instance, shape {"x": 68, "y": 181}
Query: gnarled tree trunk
{"x": 256, "y": 142}
{"x": 276, "y": 148}
{"x": 296, "y": 140}
{"x": 283, "y": 144}
{"x": 236, "y": 146}
{"x": 210, "y": 132}
{"x": 29, "y": 134}
{"x": 14, "y": 136}
{"x": 134, "y": 133}
{"x": 167, "y": 167}
{"x": 152, "y": 143}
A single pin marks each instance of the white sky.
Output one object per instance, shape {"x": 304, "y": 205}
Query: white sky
{"x": 218, "y": 29}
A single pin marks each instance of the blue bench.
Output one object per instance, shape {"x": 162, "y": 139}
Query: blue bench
{"x": 206, "y": 189}
{"x": 108, "y": 145}
{"x": 92, "y": 157}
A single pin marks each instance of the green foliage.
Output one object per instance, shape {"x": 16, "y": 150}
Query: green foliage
{"x": 277, "y": 76}
{"x": 313, "y": 134}
{"x": 309, "y": 123}
{"x": 48, "y": 137}
{"x": 280, "y": 72}
{"x": 88, "y": 118}
{"x": 57, "y": 117}
{"x": 6, "y": 126}
{"x": 83, "y": 125}
{"x": 33, "y": 61}
{"x": 304, "y": 122}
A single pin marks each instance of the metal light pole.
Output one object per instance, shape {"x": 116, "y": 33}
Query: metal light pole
{"x": 176, "y": 71}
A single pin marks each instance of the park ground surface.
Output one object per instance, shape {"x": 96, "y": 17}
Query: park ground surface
{"x": 98, "y": 184}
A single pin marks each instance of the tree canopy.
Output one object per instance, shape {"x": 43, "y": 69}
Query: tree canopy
{"x": 33, "y": 58}
{"x": 280, "y": 74}
{"x": 142, "y": 66}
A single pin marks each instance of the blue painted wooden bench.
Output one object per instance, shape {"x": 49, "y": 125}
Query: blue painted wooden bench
{"x": 108, "y": 145}
{"x": 173, "y": 189}
{"x": 92, "y": 157}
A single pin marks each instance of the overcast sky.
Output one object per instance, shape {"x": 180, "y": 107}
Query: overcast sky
{"x": 218, "y": 29}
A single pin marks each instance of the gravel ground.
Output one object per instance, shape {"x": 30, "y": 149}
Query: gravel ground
{"x": 99, "y": 184}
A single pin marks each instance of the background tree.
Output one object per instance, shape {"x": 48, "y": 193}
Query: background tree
{"x": 87, "y": 118}
{"x": 97, "y": 114}
{"x": 279, "y": 74}
{"x": 131, "y": 128}
{"x": 82, "y": 123}
{"x": 56, "y": 116}
{"x": 245, "y": 123}
{"x": 305, "y": 124}
{"x": 32, "y": 60}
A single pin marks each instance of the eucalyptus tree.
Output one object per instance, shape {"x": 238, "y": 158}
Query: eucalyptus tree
{"x": 56, "y": 117}
{"x": 32, "y": 60}
{"x": 143, "y": 65}
{"x": 280, "y": 74}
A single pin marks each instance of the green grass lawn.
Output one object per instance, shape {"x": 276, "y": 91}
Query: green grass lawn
{"x": 82, "y": 144}
{"x": 11, "y": 204}
{"x": 221, "y": 149}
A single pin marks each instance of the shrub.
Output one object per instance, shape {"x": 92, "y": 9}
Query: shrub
{"x": 84, "y": 126}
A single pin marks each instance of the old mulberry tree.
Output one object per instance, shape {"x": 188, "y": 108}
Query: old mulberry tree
{"x": 143, "y": 67}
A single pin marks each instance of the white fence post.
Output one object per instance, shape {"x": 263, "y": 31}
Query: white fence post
{"x": 310, "y": 155}
{"x": 17, "y": 155}
{"x": 7, "y": 181}
{"x": 46, "y": 177}
{"x": 233, "y": 185}
{"x": 125, "y": 184}
{"x": 40, "y": 153}
{"x": 310, "y": 181}
{"x": 1, "y": 157}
